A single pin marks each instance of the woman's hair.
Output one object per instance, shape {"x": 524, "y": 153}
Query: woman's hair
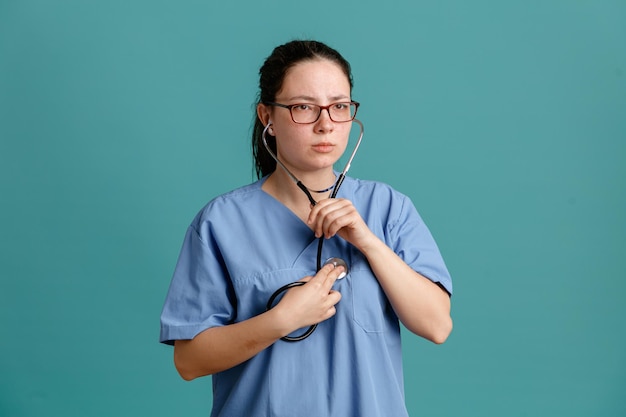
{"x": 271, "y": 77}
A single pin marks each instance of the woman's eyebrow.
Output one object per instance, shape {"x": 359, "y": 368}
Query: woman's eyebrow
{"x": 310, "y": 99}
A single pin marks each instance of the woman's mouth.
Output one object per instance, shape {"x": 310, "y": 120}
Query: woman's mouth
{"x": 324, "y": 147}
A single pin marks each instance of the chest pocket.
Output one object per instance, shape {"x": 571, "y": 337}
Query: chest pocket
{"x": 369, "y": 303}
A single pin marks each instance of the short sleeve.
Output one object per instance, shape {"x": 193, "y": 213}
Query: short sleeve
{"x": 413, "y": 242}
{"x": 200, "y": 295}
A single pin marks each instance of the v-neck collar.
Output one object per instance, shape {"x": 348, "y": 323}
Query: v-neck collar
{"x": 283, "y": 207}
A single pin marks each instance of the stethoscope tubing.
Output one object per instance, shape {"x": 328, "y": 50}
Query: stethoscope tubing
{"x": 333, "y": 194}
{"x": 299, "y": 183}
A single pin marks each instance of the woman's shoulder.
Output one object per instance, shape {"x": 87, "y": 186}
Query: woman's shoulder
{"x": 378, "y": 189}
{"x": 239, "y": 194}
{"x": 376, "y": 199}
{"x": 237, "y": 200}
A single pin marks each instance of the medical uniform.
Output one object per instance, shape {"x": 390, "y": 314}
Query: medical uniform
{"x": 242, "y": 247}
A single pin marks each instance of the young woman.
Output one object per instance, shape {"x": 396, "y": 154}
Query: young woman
{"x": 248, "y": 243}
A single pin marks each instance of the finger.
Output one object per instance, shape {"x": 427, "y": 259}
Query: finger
{"x": 322, "y": 275}
{"x": 306, "y": 279}
{"x": 337, "y": 220}
{"x": 321, "y": 217}
{"x": 326, "y": 271}
{"x": 332, "y": 225}
{"x": 333, "y": 275}
{"x": 316, "y": 209}
{"x": 331, "y": 312}
{"x": 313, "y": 221}
{"x": 334, "y": 297}
{"x": 323, "y": 207}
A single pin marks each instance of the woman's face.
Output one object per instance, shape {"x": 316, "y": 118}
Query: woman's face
{"x": 314, "y": 146}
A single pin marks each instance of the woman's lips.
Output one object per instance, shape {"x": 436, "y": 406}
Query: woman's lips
{"x": 324, "y": 147}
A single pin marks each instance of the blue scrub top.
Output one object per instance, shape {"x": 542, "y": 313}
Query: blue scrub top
{"x": 243, "y": 246}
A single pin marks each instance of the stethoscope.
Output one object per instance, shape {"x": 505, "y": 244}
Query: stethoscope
{"x": 335, "y": 261}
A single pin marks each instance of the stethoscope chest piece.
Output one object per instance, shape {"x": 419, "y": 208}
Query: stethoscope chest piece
{"x": 338, "y": 262}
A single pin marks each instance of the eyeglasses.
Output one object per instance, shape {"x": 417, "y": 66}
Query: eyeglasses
{"x": 305, "y": 113}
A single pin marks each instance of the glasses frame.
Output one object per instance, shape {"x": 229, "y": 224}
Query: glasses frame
{"x": 327, "y": 108}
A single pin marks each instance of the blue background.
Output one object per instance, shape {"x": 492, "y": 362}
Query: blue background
{"x": 504, "y": 121}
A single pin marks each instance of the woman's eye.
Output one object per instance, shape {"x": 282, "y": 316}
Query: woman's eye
{"x": 302, "y": 107}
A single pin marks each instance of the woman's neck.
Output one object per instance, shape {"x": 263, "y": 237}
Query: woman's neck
{"x": 282, "y": 187}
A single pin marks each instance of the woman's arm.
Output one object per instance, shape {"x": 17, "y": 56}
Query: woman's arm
{"x": 220, "y": 348}
{"x": 421, "y": 305}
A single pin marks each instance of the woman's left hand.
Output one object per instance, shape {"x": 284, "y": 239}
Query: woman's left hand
{"x": 338, "y": 216}
{"x": 421, "y": 305}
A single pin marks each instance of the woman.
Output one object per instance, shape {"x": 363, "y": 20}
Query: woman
{"x": 247, "y": 243}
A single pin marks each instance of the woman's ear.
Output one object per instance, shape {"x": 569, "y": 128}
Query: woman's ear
{"x": 263, "y": 113}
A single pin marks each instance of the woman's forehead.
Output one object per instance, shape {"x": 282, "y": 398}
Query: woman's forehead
{"x": 315, "y": 79}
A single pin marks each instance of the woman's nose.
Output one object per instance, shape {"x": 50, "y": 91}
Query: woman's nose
{"x": 324, "y": 122}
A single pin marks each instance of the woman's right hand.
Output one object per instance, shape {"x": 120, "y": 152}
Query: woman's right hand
{"x": 312, "y": 302}
{"x": 219, "y": 348}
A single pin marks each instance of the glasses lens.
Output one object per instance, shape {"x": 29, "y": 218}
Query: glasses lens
{"x": 305, "y": 113}
{"x": 309, "y": 113}
{"x": 342, "y": 112}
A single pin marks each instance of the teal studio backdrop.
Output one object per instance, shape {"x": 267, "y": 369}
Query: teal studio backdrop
{"x": 505, "y": 122}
